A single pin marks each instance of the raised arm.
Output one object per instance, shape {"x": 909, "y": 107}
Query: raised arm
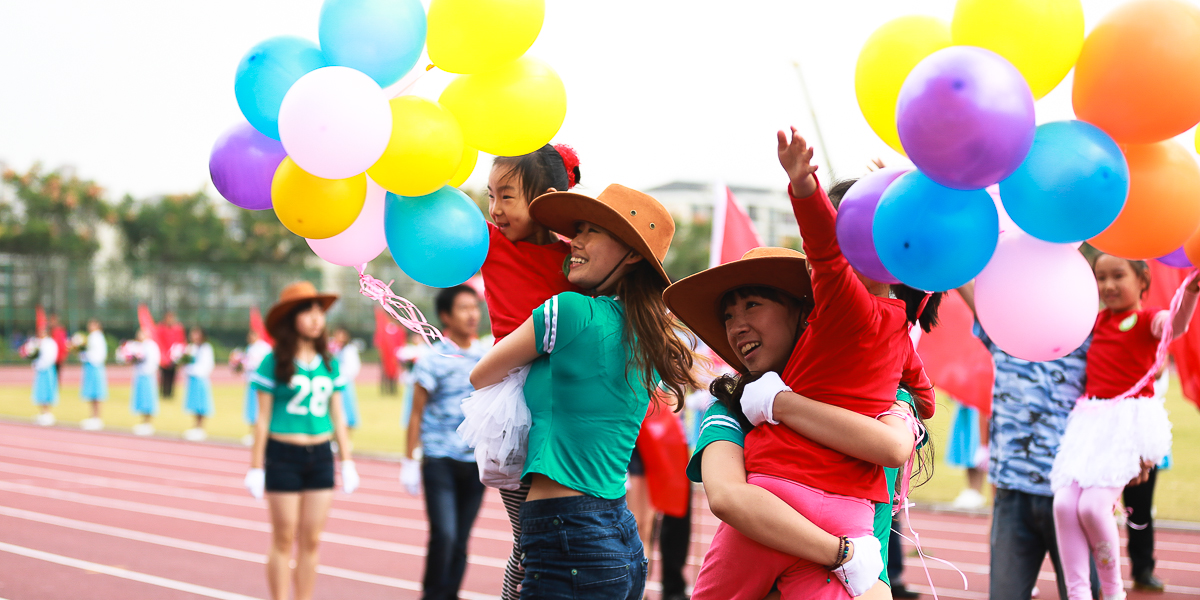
{"x": 518, "y": 349}
{"x": 1179, "y": 325}
{"x": 886, "y": 441}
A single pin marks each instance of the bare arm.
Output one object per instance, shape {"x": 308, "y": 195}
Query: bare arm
{"x": 887, "y": 441}
{"x": 341, "y": 432}
{"x": 514, "y": 351}
{"x": 420, "y": 397}
{"x": 262, "y": 426}
{"x": 757, "y": 513}
{"x": 1179, "y": 325}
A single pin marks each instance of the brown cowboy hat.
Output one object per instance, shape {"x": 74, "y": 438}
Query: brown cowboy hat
{"x": 694, "y": 300}
{"x": 293, "y": 294}
{"x": 633, "y": 217}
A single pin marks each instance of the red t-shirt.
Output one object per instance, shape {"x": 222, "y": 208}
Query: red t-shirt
{"x": 853, "y": 354}
{"x": 1122, "y": 351}
{"x": 519, "y": 277}
{"x": 59, "y": 335}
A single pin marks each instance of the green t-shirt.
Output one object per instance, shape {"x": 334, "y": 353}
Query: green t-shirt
{"x": 720, "y": 426}
{"x": 302, "y": 406}
{"x": 586, "y": 409}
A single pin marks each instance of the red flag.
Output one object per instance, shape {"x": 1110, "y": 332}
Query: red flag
{"x": 1164, "y": 281}
{"x": 146, "y": 320}
{"x": 733, "y": 232}
{"x": 388, "y": 338}
{"x": 955, "y": 359}
{"x": 664, "y": 450}
{"x": 39, "y": 318}
{"x": 256, "y": 324}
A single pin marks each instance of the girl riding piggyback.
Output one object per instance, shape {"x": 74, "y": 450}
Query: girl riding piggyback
{"x": 1119, "y": 429}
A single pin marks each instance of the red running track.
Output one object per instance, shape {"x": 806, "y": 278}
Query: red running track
{"x": 107, "y": 515}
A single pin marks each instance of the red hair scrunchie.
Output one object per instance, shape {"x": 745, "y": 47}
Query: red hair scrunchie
{"x": 570, "y": 161}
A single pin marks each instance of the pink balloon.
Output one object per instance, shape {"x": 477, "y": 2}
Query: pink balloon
{"x": 363, "y": 240}
{"x": 1035, "y": 299}
{"x": 335, "y": 122}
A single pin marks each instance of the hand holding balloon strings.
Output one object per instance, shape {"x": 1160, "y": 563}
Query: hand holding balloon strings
{"x": 796, "y": 158}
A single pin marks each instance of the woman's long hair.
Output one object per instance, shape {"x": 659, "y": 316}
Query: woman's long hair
{"x": 287, "y": 339}
{"x": 652, "y": 334}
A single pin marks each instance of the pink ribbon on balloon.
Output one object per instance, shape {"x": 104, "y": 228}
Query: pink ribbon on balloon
{"x": 400, "y": 309}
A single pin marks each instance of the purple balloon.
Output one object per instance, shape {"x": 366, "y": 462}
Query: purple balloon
{"x": 242, "y": 165}
{"x": 965, "y": 117}
{"x": 855, "y": 215}
{"x": 1177, "y": 259}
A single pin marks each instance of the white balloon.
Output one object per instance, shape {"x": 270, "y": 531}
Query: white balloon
{"x": 335, "y": 122}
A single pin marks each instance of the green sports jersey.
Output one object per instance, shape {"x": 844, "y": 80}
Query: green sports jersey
{"x": 303, "y": 405}
{"x": 720, "y": 426}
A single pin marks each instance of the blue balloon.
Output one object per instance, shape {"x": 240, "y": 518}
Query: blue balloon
{"x": 1072, "y": 185}
{"x": 267, "y": 72}
{"x": 932, "y": 237}
{"x": 440, "y": 240}
{"x": 382, "y": 38}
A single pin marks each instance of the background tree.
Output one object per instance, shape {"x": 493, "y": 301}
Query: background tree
{"x": 53, "y": 213}
{"x": 177, "y": 228}
{"x": 689, "y": 249}
{"x": 257, "y": 236}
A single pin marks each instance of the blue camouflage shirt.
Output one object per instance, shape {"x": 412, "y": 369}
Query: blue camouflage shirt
{"x": 444, "y": 370}
{"x": 1030, "y": 405}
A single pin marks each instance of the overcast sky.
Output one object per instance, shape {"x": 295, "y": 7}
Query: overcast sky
{"x": 133, "y": 93}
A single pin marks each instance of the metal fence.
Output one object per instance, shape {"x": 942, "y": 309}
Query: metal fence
{"x": 217, "y": 297}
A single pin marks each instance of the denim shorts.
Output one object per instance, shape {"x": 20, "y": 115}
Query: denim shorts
{"x": 293, "y": 468}
{"x": 581, "y": 547}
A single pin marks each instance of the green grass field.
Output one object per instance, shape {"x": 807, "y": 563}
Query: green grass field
{"x": 379, "y": 433}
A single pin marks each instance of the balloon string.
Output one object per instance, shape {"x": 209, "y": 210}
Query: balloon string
{"x": 399, "y": 308}
{"x": 1168, "y": 335}
{"x": 916, "y": 542}
{"x": 406, "y": 85}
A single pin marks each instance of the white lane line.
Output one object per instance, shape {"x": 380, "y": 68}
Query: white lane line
{"x": 240, "y": 500}
{"x": 163, "y": 582}
{"x": 232, "y": 522}
{"x": 230, "y": 553}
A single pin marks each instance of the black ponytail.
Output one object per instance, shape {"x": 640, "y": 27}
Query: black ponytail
{"x": 548, "y": 167}
{"x": 912, "y": 305}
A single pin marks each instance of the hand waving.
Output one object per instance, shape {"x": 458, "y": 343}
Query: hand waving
{"x": 796, "y": 158}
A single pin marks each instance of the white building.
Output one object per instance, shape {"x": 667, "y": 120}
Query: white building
{"x": 770, "y": 209}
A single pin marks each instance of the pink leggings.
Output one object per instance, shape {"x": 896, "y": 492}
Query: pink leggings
{"x": 1084, "y": 521}
{"x": 738, "y": 568}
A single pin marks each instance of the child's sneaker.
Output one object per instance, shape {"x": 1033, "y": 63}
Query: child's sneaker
{"x": 91, "y": 424}
{"x": 143, "y": 429}
{"x": 248, "y": 439}
{"x": 195, "y": 434}
{"x": 45, "y": 419}
{"x": 969, "y": 499}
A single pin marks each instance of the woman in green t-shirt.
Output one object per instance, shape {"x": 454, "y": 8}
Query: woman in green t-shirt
{"x": 299, "y": 412}
{"x": 587, "y": 391}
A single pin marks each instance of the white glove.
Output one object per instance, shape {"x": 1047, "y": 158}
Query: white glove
{"x": 350, "y": 478}
{"x": 758, "y": 398}
{"x": 256, "y": 482}
{"x": 861, "y": 572}
{"x": 410, "y": 475}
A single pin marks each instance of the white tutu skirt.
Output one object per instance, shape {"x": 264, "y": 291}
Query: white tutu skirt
{"x": 496, "y": 424}
{"x": 1106, "y": 441}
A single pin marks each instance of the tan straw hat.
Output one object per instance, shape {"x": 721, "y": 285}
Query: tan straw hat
{"x": 694, "y": 300}
{"x": 631, "y": 216}
{"x": 293, "y": 294}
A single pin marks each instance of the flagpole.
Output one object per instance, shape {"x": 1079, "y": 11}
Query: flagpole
{"x": 816, "y": 124}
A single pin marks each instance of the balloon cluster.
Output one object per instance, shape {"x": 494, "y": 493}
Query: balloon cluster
{"x": 958, "y": 100}
{"x": 353, "y": 163}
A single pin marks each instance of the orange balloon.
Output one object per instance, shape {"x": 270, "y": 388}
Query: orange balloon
{"x": 1163, "y": 209}
{"x": 1136, "y": 77}
{"x": 1192, "y": 247}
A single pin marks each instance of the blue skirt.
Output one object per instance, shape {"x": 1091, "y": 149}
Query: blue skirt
{"x": 45, "y": 387}
{"x": 199, "y": 396}
{"x": 964, "y": 437}
{"x": 95, "y": 382}
{"x": 250, "y": 406}
{"x": 350, "y": 405}
{"x": 145, "y": 395}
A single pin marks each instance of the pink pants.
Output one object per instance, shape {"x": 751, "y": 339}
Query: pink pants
{"x": 738, "y": 568}
{"x": 1083, "y": 522}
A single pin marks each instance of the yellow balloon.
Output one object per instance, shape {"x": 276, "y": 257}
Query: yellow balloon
{"x": 884, "y": 63}
{"x": 473, "y": 36}
{"x": 312, "y": 207}
{"x": 466, "y": 167}
{"x": 510, "y": 111}
{"x": 424, "y": 151}
{"x": 1041, "y": 38}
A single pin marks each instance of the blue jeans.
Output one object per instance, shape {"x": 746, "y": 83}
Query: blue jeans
{"x": 581, "y": 547}
{"x": 452, "y": 497}
{"x": 1022, "y": 534}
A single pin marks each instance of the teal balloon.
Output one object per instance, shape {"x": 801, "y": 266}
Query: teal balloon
{"x": 932, "y": 237}
{"x": 440, "y": 240}
{"x": 382, "y": 38}
{"x": 1072, "y": 185}
{"x": 267, "y": 72}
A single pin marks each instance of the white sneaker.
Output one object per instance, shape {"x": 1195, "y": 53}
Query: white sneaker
{"x": 143, "y": 429}
{"x": 248, "y": 439}
{"x": 91, "y": 424}
{"x": 195, "y": 434}
{"x": 45, "y": 419}
{"x": 969, "y": 499}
